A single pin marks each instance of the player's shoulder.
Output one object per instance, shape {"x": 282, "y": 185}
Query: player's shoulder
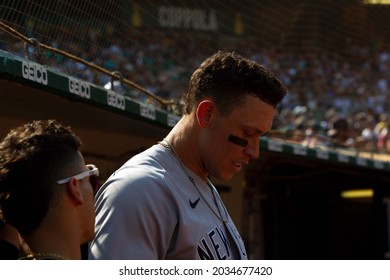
{"x": 142, "y": 173}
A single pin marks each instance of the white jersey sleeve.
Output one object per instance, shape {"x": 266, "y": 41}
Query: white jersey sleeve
{"x": 134, "y": 222}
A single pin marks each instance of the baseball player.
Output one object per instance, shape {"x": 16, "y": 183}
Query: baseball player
{"x": 161, "y": 203}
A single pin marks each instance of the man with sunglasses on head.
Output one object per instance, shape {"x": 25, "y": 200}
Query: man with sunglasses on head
{"x": 161, "y": 203}
{"x": 47, "y": 190}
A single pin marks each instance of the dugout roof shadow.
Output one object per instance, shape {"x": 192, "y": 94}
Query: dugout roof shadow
{"x": 104, "y": 133}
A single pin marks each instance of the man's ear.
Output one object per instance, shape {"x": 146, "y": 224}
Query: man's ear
{"x": 74, "y": 191}
{"x": 204, "y": 112}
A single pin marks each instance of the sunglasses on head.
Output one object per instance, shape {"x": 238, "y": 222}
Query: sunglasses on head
{"x": 92, "y": 173}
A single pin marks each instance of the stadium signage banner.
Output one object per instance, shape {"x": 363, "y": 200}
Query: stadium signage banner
{"x": 197, "y": 16}
{"x": 34, "y": 72}
{"x": 35, "y": 75}
{"x": 80, "y": 88}
{"x": 172, "y": 119}
{"x": 187, "y": 18}
{"x": 299, "y": 150}
{"x": 116, "y": 100}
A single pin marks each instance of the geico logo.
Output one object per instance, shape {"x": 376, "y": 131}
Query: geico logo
{"x": 34, "y": 72}
{"x": 116, "y": 100}
{"x": 172, "y": 120}
{"x": 148, "y": 112}
{"x": 79, "y": 88}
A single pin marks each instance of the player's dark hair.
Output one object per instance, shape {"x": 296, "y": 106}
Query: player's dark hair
{"x": 227, "y": 77}
{"x": 32, "y": 158}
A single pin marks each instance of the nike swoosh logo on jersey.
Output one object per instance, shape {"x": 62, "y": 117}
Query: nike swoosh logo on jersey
{"x": 193, "y": 204}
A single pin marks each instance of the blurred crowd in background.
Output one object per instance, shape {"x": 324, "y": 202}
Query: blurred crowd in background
{"x": 335, "y": 100}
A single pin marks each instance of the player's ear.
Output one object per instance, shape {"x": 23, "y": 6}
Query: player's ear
{"x": 204, "y": 112}
{"x": 74, "y": 191}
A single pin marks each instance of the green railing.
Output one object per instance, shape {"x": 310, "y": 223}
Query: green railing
{"x": 36, "y": 75}
{"x": 39, "y": 76}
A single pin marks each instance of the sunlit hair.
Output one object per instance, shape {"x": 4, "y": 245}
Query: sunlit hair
{"x": 227, "y": 77}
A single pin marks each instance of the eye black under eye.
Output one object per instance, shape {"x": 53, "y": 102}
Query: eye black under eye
{"x": 238, "y": 141}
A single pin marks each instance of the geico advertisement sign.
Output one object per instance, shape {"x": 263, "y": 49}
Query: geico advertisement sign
{"x": 116, "y": 100}
{"x": 34, "y": 72}
{"x": 79, "y": 88}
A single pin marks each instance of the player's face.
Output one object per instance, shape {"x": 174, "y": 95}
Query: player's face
{"x": 233, "y": 140}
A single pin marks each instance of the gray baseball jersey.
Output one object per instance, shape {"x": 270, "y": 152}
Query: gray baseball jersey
{"x": 149, "y": 209}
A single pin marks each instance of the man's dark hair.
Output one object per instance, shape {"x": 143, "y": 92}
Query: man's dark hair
{"x": 32, "y": 158}
{"x": 227, "y": 77}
